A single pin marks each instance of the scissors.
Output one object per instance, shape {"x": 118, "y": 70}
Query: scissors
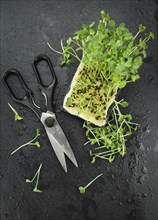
{"x": 47, "y": 117}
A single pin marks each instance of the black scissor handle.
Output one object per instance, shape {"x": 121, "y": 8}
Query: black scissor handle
{"x": 28, "y": 99}
{"x": 37, "y": 60}
{"x": 15, "y": 72}
{"x": 46, "y": 90}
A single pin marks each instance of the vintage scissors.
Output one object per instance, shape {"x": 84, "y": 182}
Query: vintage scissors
{"x": 55, "y": 133}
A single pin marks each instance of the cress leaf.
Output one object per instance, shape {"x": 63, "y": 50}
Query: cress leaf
{"x": 82, "y": 189}
{"x": 142, "y": 28}
{"x": 18, "y": 117}
{"x": 124, "y": 104}
{"x": 122, "y": 84}
{"x": 38, "y": 132}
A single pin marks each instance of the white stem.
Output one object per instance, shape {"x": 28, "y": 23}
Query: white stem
{"x": 115, "y": 118}
{"x": 19, "y": 148}
{"x": 53, "y": 49}
{"x": 136, "y": 35}
{"x": 95, "y": 137}
{"x": 93, "y": 180}
{"x": 62, "y": 45}
{"x": 12, "y": 108}
{"x": 38, "y": 173}
{"x": 133, "y": 123}
{"x": 86, "y": 143}
{"x": 28, "y": 143}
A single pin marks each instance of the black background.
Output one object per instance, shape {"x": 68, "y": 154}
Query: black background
{"x": 128, "y": 188}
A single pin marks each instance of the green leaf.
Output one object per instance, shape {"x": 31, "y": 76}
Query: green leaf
{"x": 105, "y": 16}
{"x": 118, "y": 43}
{"x": 62, "y": 63}
{"x": 38, "y": 132}
{"x": 76, "y": 37}
{"x": 137, "y": 62}
{"x": 92, "y": 24}
{"x": 144, "y": 53}
{"x": 142, "y": 28}
{"x": 69, "y": 102}
{"x": 90, "y": 153}
{"x": 82, "y": 189}
{"x": 128, "y": 117}
{"x": 69, "y": 62}
{"x": 124, "y": 104}
{"x": 28, "y": 181}
{"x": 93, "y": 160}
{"x": 121, "y": 118}
{"x": 128, "y": 37}
{"x": 122, "y": 25}
{"x": 142, "y": 44}
{"x": 111, "y": 23}
{"x": 111, "y": 158}
{"x": 135, "y": 77}
{"x": 122, "y": 84}
{"x": 69, "y": 41}
{"x": 151, "y": 35}
{"x": 126, "y": 53}
{"x": 128, "y": 63}
{"x": 37, "y": 144}
{"x": 91, "y": 31}
{"x": 37, "y": 190}
{"x": 18, "y": 117}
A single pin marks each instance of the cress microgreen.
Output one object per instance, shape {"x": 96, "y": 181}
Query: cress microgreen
{"x": 17, "y": 117}
{"x": 111, "y": 58}
{"x": 111, "y": 139}
{"x": 37, "y": 174}
{"x": 82, "y": 189}
{"x": 31, "y": 142}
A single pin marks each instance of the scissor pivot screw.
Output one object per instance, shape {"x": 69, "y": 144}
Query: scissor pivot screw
{"x": 49, "y": 122}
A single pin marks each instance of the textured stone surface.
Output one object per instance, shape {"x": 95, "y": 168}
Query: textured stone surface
{"x": 128, "y": 188}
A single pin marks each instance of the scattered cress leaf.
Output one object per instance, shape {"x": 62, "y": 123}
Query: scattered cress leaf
{"x": 17, "y": 117}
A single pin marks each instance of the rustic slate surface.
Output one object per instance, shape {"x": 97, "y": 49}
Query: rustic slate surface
{"x": 128, "y": 189}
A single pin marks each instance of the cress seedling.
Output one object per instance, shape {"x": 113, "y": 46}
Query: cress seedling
{"x": 17, "y": 117}
{"x": 31, "y": 142}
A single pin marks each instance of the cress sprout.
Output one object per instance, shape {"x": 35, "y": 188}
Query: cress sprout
{"x": 37, "y": 174}
{"x": 82, "y": 189}
{"x": 31, "y": 142}
{"x": 17, "y": 117}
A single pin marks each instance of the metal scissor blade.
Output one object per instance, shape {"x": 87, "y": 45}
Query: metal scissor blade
{"x": 64, "y": 144}
{"x": 58, "y": 151}
{"x": 58, "y": 136}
